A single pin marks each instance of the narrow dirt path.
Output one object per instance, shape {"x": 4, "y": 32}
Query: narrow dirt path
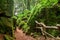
{"x": 1, "y": 37}
{"x": 21, "y": 36}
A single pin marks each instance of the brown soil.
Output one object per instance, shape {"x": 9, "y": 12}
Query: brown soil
{"x": 21, "y": 36}
{"x": 1, "y": 36}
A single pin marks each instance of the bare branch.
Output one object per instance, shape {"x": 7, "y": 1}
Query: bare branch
{"x": 43, "y": 25}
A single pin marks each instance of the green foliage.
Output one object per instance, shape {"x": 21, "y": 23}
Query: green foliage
{"x": 7, "y": 7}
{"x": 7, "y": 37}
{"x": 21, "y": 20}
{"x": 46, "y": 11}
{"x": 38, "y": 8}
{"x": 6, "y": 24}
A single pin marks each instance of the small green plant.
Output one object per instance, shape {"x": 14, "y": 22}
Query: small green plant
{"x": 44, "y": 11}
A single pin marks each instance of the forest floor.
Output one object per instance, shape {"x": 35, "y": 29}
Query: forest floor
{"x": 1, "y": 36}
{"x": 22, "y": 36}
{"x": 19, "y": 35}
